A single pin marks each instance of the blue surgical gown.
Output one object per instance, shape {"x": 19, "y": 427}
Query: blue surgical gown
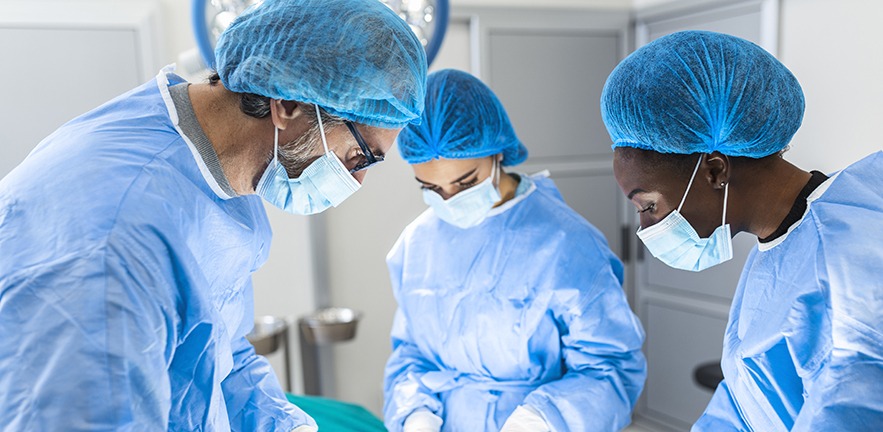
{"x": 125, "y": 284}
{"x": 525, "y": 308}
{"x": 803, "y": 349}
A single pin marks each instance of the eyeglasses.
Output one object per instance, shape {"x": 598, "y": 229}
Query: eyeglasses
{"x": 370, "y": 158}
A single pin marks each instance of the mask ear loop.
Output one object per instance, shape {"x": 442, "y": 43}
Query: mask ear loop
{"x": 726, "y": 192}
{"x": 689, "y": 185}
{"x": 321, "y": 129}
{"x": 495, "y": 174}
{"x": 275, "y": 144}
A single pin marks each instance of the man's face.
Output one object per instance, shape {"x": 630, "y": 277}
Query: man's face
{"x": 297, "y": 155}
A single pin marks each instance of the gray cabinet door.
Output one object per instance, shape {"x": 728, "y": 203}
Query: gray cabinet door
{"x": 548, "y": 68}
{"x": 62, "y": 59}
{"x": 82, "y": 68}
{"x": 679, "y": 337}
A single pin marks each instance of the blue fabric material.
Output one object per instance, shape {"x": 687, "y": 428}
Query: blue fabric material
{"x": 354, "y": 58}
{"x": 525, "y": 183}
{"x": 803, "y": 350}
{"x": 479, "y": 331}
{"x": 463, "y": 119}
{"x": 701, "y": 92}
{"x": 125, "y": 284}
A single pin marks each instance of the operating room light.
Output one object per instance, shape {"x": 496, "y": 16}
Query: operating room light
{"x": 428, "y": 20}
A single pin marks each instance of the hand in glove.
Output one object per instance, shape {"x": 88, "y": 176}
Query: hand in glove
{"x": 525, "y": 419}
{"x": 423, "y": 420}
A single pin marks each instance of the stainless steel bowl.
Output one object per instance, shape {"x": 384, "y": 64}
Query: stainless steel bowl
{"x": 329, "y": 325}
{"x": 267, "y": 334}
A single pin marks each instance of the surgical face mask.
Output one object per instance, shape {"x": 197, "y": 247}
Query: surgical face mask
{"x": 674, "y": 241}
{"x": 324, "y": 183}
{"x": 469, "y": 207}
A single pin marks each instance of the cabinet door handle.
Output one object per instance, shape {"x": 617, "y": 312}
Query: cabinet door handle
{"x": 625, "y": 242}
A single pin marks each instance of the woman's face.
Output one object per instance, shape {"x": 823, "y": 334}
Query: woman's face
{"x": 655, "y": 186}
{"x": 447, "y": 177}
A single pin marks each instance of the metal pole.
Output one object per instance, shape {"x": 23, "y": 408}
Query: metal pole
{"x": 309, "y": 355}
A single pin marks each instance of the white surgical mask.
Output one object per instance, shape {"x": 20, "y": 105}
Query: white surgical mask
{"x": 675, "y": 242}
{"x": 469, "y": 207}
{"x": 325, "y": 183}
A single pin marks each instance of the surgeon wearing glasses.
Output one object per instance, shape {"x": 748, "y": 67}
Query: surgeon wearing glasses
{"x": 128, "y": 237}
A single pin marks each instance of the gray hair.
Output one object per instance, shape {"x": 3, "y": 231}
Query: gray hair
{"x": 298, "y": 154}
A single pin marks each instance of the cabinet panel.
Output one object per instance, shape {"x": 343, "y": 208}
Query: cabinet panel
{"x": 740, "y": 20}
{"x": 55, "y": 75}
{"x": 550, "y": 83}
{"x": 677, "y": 341}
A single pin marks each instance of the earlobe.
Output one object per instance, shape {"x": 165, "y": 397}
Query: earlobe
{"x": 283, "y": 112}
{"x": 718, "y": 174}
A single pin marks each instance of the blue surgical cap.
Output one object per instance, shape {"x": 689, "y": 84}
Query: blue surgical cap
{"x": 700, "y": 92}
{"x": 463, "y": 120}
{"x": 354, "y": 58}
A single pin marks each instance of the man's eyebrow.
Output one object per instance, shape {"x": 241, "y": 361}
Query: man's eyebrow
{"x": 635, "y": 191}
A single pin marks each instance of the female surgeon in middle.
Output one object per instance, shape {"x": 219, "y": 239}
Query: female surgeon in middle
{"x": 511, "y": 311}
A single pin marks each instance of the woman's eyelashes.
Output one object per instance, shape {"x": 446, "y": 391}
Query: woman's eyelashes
{"x": 463, "y": 184}
{"x": 466, "y": 184}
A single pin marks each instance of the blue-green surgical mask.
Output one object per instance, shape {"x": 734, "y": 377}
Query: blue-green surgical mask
{"x": 675, "y": 242}
{"x": 469, "y": 207}
{"x": 325, "y": 183}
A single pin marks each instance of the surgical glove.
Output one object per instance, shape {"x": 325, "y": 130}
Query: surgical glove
{"x": 525, "y": 419}
{"x": 423, "y": 420}
{"x": 305, "y": 428}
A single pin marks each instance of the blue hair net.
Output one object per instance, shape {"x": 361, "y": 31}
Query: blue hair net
{"x": 700, "y": 92}
{"x": 355, "y": 58}
{"x": 463, "y": 120}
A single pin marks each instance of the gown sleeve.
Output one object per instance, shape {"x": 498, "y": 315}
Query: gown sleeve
{"x": 721, "y": 414}
{"x": 403, "y": 393}
{"x": 601, "y": 344}
{"x": 845, "y": 394}
{"x": 254, "y": 399}
{"x": 85, "y": 345}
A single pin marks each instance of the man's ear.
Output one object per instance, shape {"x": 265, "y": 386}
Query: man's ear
{"x": 284, "y": 112}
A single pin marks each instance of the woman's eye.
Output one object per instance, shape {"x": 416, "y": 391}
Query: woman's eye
{"x": 468, "y": 184}
{"x": 429, "y": 188}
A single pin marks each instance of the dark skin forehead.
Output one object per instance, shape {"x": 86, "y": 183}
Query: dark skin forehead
{"x": 643, "y": 171}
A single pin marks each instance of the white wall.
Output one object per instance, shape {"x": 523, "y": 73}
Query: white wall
{"x": 835, "y": 49}
{"x": 552, "y": 4}
{"x": 643, "y": 4}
